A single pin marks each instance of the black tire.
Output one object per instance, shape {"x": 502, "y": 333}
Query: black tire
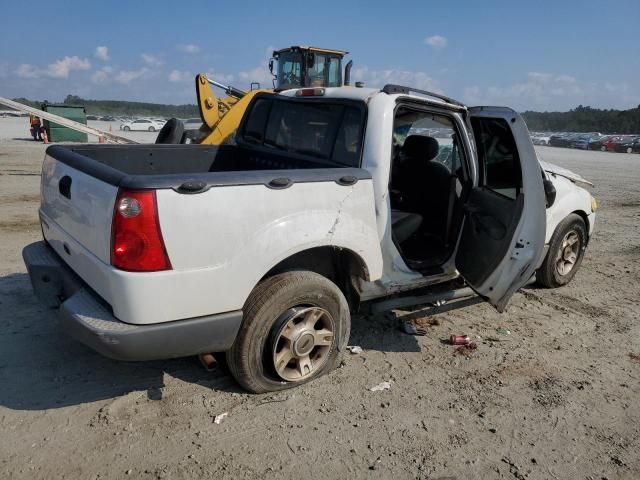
{"x": 548, "y": 274}
{"x": 171, "y": 132}
{"x": 250, "y": 358}
{"x": 126, "y": 129}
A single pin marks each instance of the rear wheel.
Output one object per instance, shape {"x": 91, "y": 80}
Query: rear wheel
{"x": 151, "y": 129}
{"x": 126, "y": 129}
{"x": 603, "y": 148}
{"x": 565, "y": 254}
{"x": 295, "y": 327}
{"x": 629, "y": 150}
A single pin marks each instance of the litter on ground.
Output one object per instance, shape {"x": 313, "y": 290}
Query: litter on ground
{"x": 219, "y": 418}
{"x": 381, "y": 386}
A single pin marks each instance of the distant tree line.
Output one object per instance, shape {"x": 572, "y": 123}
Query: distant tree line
{"x": 122, "y": 108}
{"x": 585, "y": 119}
{"x": 580, "y": 119}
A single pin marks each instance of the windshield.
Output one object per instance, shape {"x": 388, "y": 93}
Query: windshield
{"x": 311, "y": 70}
{"x": 328, "y": 131}
{"x": 289, "y": 70}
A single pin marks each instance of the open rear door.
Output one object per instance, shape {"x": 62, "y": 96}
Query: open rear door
{"x": 504, "y": 227}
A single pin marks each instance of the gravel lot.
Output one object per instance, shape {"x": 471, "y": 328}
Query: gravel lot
{"x": 557, "y": 398}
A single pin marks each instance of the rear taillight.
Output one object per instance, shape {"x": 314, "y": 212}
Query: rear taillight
{"x": 136, "y": 239}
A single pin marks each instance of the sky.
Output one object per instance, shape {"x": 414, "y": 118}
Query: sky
{"x": 535, "y": 55}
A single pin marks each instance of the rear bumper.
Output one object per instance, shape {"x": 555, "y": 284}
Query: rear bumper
{"x": 87, "y": 318}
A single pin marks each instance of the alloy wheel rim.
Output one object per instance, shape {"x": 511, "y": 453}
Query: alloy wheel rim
{"x": 302, "y": 345}
{"x": 568, "y": 253}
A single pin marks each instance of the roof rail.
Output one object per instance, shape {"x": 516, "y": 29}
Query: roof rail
{"x": 391, "y": 88}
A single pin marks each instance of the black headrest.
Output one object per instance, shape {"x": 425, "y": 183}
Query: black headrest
{"x": 419, "y": 146}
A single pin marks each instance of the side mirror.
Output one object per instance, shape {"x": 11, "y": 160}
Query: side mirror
{"x": 271, "y": 66}
{"x": 549, "y": 192}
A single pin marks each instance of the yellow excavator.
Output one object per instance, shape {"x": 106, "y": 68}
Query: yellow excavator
{"x": 297, "y": 67}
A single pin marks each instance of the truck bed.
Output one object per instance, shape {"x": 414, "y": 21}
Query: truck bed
{"x": 169, "y": 166}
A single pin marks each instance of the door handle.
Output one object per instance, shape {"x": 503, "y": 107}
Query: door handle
{"x": 64, "y": 186}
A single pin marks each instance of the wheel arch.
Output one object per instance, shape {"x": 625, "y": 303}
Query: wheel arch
{"x": 585, "y": 218}
{"x": 337, "y": 264}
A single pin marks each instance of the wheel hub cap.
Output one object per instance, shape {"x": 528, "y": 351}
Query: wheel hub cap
{"x": 568, "y": 253}
{"x": 302, "y": 345}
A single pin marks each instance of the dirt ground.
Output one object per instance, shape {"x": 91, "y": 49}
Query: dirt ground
{"x": 557, "y": 398}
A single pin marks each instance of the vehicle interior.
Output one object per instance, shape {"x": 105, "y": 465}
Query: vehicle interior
{"x": 427, "y": 183}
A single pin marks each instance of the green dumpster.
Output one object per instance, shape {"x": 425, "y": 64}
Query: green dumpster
{"x": 58, "y": 133}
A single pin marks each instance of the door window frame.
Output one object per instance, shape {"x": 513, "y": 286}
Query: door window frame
{"x": 459, "y": 120}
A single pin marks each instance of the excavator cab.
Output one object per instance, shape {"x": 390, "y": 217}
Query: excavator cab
{"x": 301, "y": 66}
{"x": 297, "y": 67}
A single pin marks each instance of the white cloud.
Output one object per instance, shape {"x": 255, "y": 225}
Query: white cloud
{"x": 27, "y": 71}
{"x": 126, "y": 76}
{"x": 437, "y": 42}
{"x": 102, "y": 53}
{"x": 178, "y": 76}
{"x": 62, "y": 68}
{"x": 151, "y": 60}
{"x": 219, "y": 76}
{"x": 189, "y": 48}
{"x": 57, "y": 69}
{"x": 379, "y": 78}
{"x": 102, "y": 76}
{"x": 258, "y": 74}
{"x": 539, "y": 90}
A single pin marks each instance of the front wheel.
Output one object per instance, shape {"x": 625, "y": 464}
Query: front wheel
{"x": 566, "y": 250}
{"x": 151, "y": 129}
{"x": 126, "y": 129}
{"x": 629, "y": 150}
{"x": 295, "y": 328}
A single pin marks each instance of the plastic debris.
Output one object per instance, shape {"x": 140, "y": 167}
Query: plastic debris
{"x": 354, "y": 349}
{"x": 381, "y": 386}
{"x": 503, "y": 331}
{"x": 219, "y": 418}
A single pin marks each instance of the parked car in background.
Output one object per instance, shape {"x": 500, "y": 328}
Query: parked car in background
{"x": 561, "y": 139}
{"x": 540, "y": 139}
{"x": 627, "y": 145}
{"x": 606, "y": 144}
{"x": 92, "y": 117}
{"x": 142, "y": 124}
{"x": 598, "y": 143}
{"x": 583, "y": 141}
{"x": 107, "y": 118}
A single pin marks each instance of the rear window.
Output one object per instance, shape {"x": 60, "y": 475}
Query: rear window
{"x": 328, "y": 131}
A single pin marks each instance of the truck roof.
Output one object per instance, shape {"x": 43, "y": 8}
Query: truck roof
{"x": 363, "y": 94}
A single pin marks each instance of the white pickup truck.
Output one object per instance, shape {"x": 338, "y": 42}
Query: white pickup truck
{"x": 327, "y": 200}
